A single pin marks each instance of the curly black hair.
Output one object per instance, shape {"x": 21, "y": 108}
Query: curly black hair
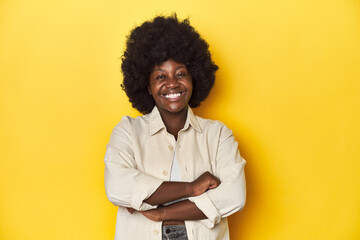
{"x": 159, "y": 40}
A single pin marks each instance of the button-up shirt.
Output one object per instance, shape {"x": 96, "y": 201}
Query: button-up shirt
{"x": 139, "y": 157}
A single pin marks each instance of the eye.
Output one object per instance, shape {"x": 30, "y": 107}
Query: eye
{"x": 181, "y": 74}
{"x": 161, "y": 76}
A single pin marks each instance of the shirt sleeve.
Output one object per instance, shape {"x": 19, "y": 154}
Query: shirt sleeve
{"x": 125, "y": 185}
{"x": 230, "y": 196}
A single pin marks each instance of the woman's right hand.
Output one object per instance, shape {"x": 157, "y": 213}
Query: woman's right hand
{"x": 205, "y": 182}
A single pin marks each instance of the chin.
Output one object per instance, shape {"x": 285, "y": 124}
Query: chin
{"x": 177, "y": 109}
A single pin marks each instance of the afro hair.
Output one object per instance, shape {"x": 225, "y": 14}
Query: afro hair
{"x": 159, "y": 40}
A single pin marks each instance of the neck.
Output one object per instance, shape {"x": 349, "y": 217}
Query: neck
{"x": 174, "y": 122}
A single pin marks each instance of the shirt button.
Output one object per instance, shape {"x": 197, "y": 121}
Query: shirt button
{"x": 165, "y": 172}
{"x": 156, "y": 231}
{"x": 170, "y": 147}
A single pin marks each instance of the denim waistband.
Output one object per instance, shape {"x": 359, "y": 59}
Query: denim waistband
{"x": 174, "y": 232}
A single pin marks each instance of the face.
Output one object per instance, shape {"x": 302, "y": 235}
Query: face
{"x": 171, "y": 86}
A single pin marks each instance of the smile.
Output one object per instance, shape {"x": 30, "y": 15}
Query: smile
{"x": 173, "y": 95}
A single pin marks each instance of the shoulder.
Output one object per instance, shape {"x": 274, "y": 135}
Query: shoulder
{"x": 214, "y": 128}
{"x": 130, "y": 124}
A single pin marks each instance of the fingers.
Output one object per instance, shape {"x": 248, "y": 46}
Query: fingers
{"x": 130, "y": 210}
{"x": 212, "y": 180}
{"x": 151, "y": 214}
{"x": 215, "y": 182}
{"x": 205, "y": 182}
{"x": 214, "y": 185}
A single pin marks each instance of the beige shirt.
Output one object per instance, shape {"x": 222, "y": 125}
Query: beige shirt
{"x": 138, "y": 159}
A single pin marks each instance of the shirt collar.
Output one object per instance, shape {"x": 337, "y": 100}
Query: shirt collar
{"x": 156, "y": 123}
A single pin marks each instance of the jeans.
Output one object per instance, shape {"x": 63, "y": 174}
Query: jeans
{"x": 174, "y": 232}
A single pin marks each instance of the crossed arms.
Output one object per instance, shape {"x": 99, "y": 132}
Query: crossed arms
{"x": 183, "y": 210}
{"x": 208, "y": 200}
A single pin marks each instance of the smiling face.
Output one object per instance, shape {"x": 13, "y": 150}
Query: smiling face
{"x": 170, "y": 85}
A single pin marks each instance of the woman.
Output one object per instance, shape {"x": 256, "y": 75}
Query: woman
{"x": 173, "y": 175}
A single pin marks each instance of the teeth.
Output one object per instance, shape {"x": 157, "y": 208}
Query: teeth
{"x": 173, "y": 95}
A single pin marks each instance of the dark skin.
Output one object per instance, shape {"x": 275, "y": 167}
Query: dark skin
{"x": 176, "y": 213}
{"x": 174, "y": 123}
{"x": 170, "y": 85}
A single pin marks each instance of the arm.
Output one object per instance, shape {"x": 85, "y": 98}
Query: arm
{"x": 230, "y": 196}
{"x": 184, "y": 210}
{"x": 124, "y": 184}
{"x": 181, "y": 211}
{"x": 170, "y": 191}
{"x": 128, "y": 187}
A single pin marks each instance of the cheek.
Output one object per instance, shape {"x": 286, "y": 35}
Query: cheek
{"x": 190, "y": 87}
{"x": 190, "y": 83}
{"x": 152, "y": 89}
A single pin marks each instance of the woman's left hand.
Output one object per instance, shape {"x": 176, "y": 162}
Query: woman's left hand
{"x": 153, "y": 214}
{"x": 131, "y": 210}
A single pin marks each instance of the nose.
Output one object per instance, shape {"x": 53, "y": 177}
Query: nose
{"x": 172, "y": 82}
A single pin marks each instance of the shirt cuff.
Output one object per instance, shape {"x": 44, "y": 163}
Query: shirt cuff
{"x": 145, "y": 187}
{"x": 204, "y": 203}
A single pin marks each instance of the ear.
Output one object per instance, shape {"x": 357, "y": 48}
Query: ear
{"x": 149, "y": 91}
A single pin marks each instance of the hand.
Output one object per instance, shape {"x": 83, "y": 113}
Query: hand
{"x": 205, "y": 182}
{"x": 153, "y": 214}
{"x": 131, "y": 210}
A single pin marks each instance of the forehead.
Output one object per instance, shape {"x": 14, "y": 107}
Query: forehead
{"x": 169, "y": 65}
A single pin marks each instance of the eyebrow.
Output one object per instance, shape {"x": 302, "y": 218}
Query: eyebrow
{"x": 160, "y": 69}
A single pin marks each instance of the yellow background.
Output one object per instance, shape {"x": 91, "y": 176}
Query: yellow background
{"x": 288, "y": 87}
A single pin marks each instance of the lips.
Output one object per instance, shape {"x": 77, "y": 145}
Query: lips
{"x": 173, "y": 96}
